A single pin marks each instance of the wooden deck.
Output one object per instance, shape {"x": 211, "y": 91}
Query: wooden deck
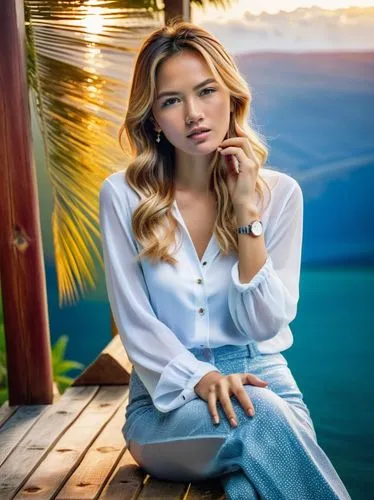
{"x": 74, "y": 448}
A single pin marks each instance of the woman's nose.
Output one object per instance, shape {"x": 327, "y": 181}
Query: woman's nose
{"x": 193, "y": 113}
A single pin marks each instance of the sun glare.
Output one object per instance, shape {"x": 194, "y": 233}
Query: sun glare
{"x": 93, "y": 21}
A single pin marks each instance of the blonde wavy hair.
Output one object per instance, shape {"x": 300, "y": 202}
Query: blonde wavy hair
{"x": 151, "y": 173}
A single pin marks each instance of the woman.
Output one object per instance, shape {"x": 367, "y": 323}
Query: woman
{"x": 202, "y": 251}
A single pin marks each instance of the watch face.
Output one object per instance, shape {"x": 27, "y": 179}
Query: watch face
{"x": 257, "y": 228}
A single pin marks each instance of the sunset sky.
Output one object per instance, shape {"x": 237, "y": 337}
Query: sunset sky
{"x": 291, "y": 25}
{"x": 273, "y": 6}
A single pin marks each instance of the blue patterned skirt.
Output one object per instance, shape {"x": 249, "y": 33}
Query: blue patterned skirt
{"x": 273, "y": 455}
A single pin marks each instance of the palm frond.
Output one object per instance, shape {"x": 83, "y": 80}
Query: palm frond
{"x": 225, "y": 4}
{"x": 79, "y": 58}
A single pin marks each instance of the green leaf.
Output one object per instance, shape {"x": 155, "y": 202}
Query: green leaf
{"x": 66, "y": 366}
{"x": 62, "y": 379}
{"x": 58, "y": 350}
{"x": 3, "y": 396}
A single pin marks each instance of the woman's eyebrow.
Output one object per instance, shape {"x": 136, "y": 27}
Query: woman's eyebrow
{"x": 173, "y": 92}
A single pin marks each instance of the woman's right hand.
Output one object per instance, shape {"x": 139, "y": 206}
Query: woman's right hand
{"x": 215, "y": 386}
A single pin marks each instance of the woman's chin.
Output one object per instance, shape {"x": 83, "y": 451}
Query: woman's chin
{"x": 203, "y": 149}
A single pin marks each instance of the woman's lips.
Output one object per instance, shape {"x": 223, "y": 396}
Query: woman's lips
{"x": 198, "y": 137}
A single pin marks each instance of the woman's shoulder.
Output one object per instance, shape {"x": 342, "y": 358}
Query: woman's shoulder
{"x": 117, "y": 182}
{"x": 282, "y": 185}
{"x": 279, "y": 180}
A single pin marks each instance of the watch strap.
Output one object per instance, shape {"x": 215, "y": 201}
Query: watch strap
{"x": 248, "y": 228}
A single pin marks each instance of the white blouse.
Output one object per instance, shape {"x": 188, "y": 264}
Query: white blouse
{"x": 161, "y": 311}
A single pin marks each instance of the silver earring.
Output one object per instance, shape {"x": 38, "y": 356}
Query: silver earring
{"x": 158, "y": 137}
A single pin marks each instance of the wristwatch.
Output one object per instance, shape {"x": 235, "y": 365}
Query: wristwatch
{"x": 255, "y": 228}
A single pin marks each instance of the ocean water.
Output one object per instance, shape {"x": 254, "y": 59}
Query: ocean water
{"x": 331, "y": 359}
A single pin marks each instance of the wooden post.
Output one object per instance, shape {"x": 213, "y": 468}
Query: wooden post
{"x": 21, "y": 257}
{"x": 177, "y": 8}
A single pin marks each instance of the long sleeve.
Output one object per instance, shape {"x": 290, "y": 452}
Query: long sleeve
{"x": 168, "y": 370}
{"x": 268, "y": 303}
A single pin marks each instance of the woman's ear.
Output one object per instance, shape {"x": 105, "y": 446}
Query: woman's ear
{"x": 154, "y": 123}
{"x": 231, "y": 105}
{"x": 156, "y": 128}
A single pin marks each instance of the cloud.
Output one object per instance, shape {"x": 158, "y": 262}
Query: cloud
{"x": 304, "y": 29}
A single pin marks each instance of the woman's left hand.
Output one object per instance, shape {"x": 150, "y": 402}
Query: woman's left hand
{"x": 241, "y": 185}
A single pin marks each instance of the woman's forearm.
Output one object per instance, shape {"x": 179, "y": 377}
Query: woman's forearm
{"x": 252, "y": 249}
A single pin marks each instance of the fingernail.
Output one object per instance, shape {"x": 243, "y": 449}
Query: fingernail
{"x": 233, "y": 422}
{"x": 216, "y": 420}
{"x": 250, "y": 412}
{"x": 219, "y": 149}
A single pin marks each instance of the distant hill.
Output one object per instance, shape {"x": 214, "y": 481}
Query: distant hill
{"x": 304, "y": 29}
{"x": 316, "y": 111}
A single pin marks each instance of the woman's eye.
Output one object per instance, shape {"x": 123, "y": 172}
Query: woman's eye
{"x": 168, "y": 101}
{"x": 209, "y": 88}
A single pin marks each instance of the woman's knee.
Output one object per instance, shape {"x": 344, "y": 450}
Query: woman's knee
{"x": 284, "y": 412}
{"x": 267, "y": 404}
{"x": 193, "y": 418}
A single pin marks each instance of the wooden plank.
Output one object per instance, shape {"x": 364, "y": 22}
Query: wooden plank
{"x": 126, "y": 481}
{"x": 6, "y": 412}
{"x": 208, "y": 490}
{"x": 91, "y": 475}
{"x": 41, "y": 437}
{"x": 111, "y": 367}
{"x": 158, "y": 489}
{"x": 49, "y": 478}
{"x": 16, "y": 428}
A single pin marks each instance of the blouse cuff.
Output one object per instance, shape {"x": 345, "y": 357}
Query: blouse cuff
{"x": 258, "y": 278}
{"x": 177, "y": 381}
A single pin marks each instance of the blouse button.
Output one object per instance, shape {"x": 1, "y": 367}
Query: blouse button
{"x": 199, "y": 281}
{"x": 201, "y": 310}
{"x": 204, "y": 263}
